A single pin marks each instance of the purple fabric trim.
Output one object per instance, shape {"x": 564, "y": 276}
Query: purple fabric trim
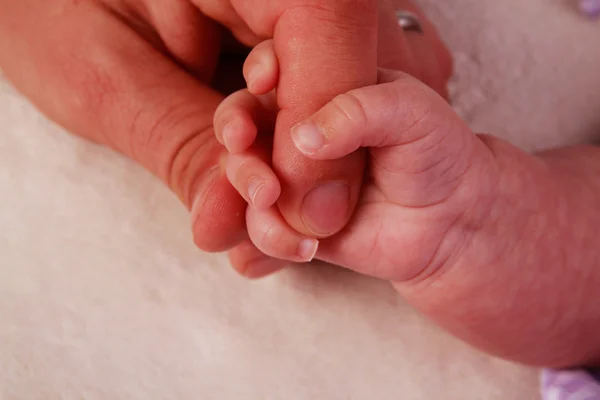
{"x": 590, "y": 7}
{"x": 570, "y": 385}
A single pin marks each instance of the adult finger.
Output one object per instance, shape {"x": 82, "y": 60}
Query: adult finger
{"x": 324, "y": 48}
{"x": 252, "y": 263}
{"x": 188, "y": 35}
{"x": 420, "y": 54}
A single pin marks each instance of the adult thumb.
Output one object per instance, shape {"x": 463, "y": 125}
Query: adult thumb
{"x": 99, "y": 78}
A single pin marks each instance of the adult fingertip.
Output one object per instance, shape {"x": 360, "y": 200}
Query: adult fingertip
{"x": 217, "y": 214}
{"x": 261, "y": 267}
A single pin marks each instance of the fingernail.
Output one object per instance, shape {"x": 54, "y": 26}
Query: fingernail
{"x": 228, "y": 132}
{"x": 254, "y": 75}
{"x": 307, "y": 249}
{"x": 325, "y": 208}
{"x": 590, "y": 8}
{"x": 308, "y": 138}
{"x": 254, "y": 187}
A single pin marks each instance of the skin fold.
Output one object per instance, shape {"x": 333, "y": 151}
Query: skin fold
{"x": 495, "y": 245}
{"x": 139, "y": 76}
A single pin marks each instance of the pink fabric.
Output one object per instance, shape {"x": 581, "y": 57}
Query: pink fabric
{"x": 590, "y": 7}
{"x": 570, "y": 385}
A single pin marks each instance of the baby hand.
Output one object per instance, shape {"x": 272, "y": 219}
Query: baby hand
{"x": 426, "y": 187}
{"x": 421, "y": 55}
{"x": 493, "y": 244}
{"x": 423, "y": 217}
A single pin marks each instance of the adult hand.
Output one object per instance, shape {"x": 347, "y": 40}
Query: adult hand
{"x": 134, "y": 75}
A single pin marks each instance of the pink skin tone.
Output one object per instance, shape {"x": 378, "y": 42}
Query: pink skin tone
{"x": 141, "y": 77}
{"x": 495, "y": 245}
{"x": 136, "y": 75}
{"x": 517, "y": 272}
{"x": 421, "y": 55}
{"x": 320, "y": 207}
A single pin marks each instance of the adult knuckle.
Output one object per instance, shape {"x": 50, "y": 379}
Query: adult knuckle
{"x": 182, "y": 149}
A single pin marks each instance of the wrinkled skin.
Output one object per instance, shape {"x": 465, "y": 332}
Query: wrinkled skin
{"x": 144, "y": 77}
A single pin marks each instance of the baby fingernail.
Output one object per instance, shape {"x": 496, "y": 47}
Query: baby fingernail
{"x": 308, "y": 138}
{"x": 254, "y": 187}
{"x": 228, "y": 132}
{"x": 307, "y": 249}
{"x": 254, "y": 74}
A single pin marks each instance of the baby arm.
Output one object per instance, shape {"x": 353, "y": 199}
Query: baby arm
{"x": 496, "y": 245}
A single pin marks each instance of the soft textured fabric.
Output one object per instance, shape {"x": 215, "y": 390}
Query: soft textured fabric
{"x": 590, "y": 8}
{"x": 103, "y": 296}
{"x": 570, "y": 385}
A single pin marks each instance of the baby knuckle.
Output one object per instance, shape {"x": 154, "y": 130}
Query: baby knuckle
{"x": 274, "y": 242}
{"x": 348, "y": 108}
